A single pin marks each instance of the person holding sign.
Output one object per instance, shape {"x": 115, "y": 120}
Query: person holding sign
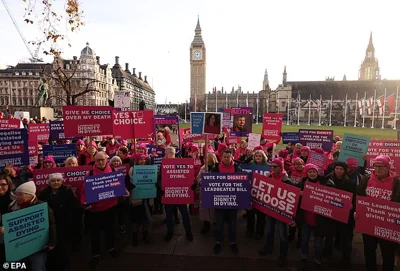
{"x": 6, "y": 197}
{"x": 381, "y": 184}
{"x": 226, "y": 166}
{"x": 25, "y": 198}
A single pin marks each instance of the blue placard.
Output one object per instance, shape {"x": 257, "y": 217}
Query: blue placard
{"x": 354, "y": 146}
{"x": 56, "y": 128}
{"x": 26, "y": 231}
{"x": 260, "y": 169}
{"x": 197, "y": 123}
{"x": 144, "y": 178}
{"x": 14, "y": 147}
{"x": 60, "y": 152}
{"x": 104, "y": 186}
{"x": 292, "y": 137}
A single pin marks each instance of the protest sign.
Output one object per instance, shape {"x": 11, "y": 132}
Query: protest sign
{"x": 290, "y": 137}
{"x": 390, "y": 148}
{"x": 145, "y": 179}
{"x": 379, "y": 218}
{"x": 33, "y": 152}
{"x": 227, "y": 121}
{"x": 398, "y": 135}
{"x": 225, "y": 191}
{"x": 177, "y": 176}
{"x": 197, "y": 120}
{"x": 82, "y": 121}
{"x": 133, "y": 124}
{"x": 275, "y": 199}
{"x": 316, "y": 138}
{"x": 122, "y": 100}
{"x": 104, "y": 186}
{"x": 354, "y": 146}
{"x": 260, "y": 169}
{"x": 188, "y": 136}
{"x": 232, "y": 140}
{"x": 60, "y": 152}
{"x": 39, "y": 132}
{"x": 170, "y": 123}
{"x": 317, "y": 159}
{"x": 14, "y": 147}
{"x": 272, "y": 126}
{"x": 242, "y": 121}
{"x": 254, "y": 140}
{"x": 212, "y": 123}
{"x": 57, "y": 130}
{"x": 326, "y": 201}
{"x": 8, "y": 124}
{"x": 26, "y": 231}
{"x": 73, "y": 176}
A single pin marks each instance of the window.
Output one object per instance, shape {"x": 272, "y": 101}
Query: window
{"x": 30, "y": 73}
{"x": 16, "y": 73}
{"x": 23, "y": 73}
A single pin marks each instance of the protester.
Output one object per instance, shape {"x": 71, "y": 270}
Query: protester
{"x": 71, "y": 162}
{"x": 227, "y": 165}
{"x": 6, "y": 197}
{"x": 112, "y": 146}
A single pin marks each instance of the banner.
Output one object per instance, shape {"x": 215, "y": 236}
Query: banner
{"x": 60, "y": 152}
{"x": 290, "y": 137}
{"x": 242, "y": 121}
{"x": 354, "y": 146}
{"x": 197, "y": 121}
{"x": 187, "y": 136}
{"x": 104, "y": 186}
{"x": 73, "y": 176}
{"x": 260, "y": 169}
{"x": 39, "y": 132}
{"x": 82, "y": 121}
{"x": 317, "y": 159}
{"x": 177, "y": 176}
{"x": 14, "y": 147}
{"x": 272, "y": 126}
{"x": 161, "y": 123}
{"x": 254, "y": 141}
{"x": 316, "y": 138}
{"x": 8, "y": 124}
{"x": 379, "y": 218}
{"x": 26, "y": 231}
{"x": 145, "y": 179}
{"x": 390, "y": 148}
{"x": 327, "y": 201}
{"x": 57, "y": 130}
{"x": 275, "y": 199}
{"x": 225, "y": 191}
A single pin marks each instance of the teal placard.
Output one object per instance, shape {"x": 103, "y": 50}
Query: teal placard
{"x": 26, "y": 231}
{"x": 354, "y": 146}
{"x": 145, "y": 179}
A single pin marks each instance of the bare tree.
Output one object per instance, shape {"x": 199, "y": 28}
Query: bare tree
{"x": 68, "y": 86}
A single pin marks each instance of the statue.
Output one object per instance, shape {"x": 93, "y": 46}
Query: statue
{"x": 142, "y": 105}
{"x": 43, "y": 92}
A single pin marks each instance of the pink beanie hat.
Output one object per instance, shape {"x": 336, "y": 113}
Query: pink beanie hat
{"x": 382, "y": 159}
{"x": 279, "y": 162}
{"x": 352, "y": 163}
{"x": 283, "y": 153}
{"x": 311, "y": 166}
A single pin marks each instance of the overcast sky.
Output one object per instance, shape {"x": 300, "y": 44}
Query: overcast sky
{"x": 314, "y": 39}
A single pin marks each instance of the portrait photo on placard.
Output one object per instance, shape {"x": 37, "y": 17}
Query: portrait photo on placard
{"x": 212, "y": 124}
{"x": 242, "y": 125}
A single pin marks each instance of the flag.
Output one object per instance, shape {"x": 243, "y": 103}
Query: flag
{"x": 391, "y": 102}
{"x": 361, "y": 106}
{"x": 380, "y": 101}
{"x": 370, "y": 105}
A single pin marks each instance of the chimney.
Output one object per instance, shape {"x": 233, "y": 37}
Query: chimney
{"x": 145, "y": 78}
{"x": 117, "y": 60}
{"x": 140, "y": 75}
{"x": 98, "y": 59}
{"x": 126, "y": 66}
{"x": 134, "y": 72}
{"x": 75, "y": 57}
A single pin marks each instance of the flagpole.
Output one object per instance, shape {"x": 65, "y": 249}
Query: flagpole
{"x": 309, "y": 111}
{"x": 355, "y": 111}
{"x": 288, "y": 111}
{"x": 277, "y": 101}
{"x": 319, "y": 113}
{"x": 247, "y": 99}
{"x": 206, "y": 102}
{"x": 330, "y": 112}
{"x": 185, "y": 110}
{"x": 345, "y": 112}
{"x": 373, "y": 110}
{"x": 298, "y": 109}
{"x": 216, "y": 100}
{"x": 268, "y": 105}
{"x": 237, "y": 98}
{"x": 395, "y": 110}
{"x": 257, "y": 108}
{"x": 383, "y": 111}
{"x": 365, "y": 100}
{"x": 226, "y": 99}
{"x": 195, "y": 103}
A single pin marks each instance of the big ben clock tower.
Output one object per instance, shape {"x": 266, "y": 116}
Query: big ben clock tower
{"x": 197, "y": 70}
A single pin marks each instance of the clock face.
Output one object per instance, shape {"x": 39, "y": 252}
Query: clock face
{"x": 197, "y": 54}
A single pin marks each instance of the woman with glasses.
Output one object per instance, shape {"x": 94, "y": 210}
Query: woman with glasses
{"x": 64, "y": 204}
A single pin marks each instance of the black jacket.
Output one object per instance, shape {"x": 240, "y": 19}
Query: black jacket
{"x": 215, "y": 169}
{"x": 361, "y": 189}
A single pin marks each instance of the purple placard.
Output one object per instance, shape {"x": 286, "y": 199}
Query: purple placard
{"x": 104, "y": 186}
{"x": 57, "y": 130}
{"x": 225, "y": 191}
{"x": 242, "y": 123}
{"x": 316, "y": 138}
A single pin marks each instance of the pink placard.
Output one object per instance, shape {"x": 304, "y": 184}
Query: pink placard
{"x": 379, "y": 218}
{"x": 327, "y": 201}
{"x": 6, "y": 124}
{"x": 275, "y": 199}
{"x": 177, "y": 177}
{"x": 272, "y": 126}
{"x": 87, "y": 121}
{"x": 387, "y": 147}
{"x": 318, "y": 160}
{"x": 39, "y": 132}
